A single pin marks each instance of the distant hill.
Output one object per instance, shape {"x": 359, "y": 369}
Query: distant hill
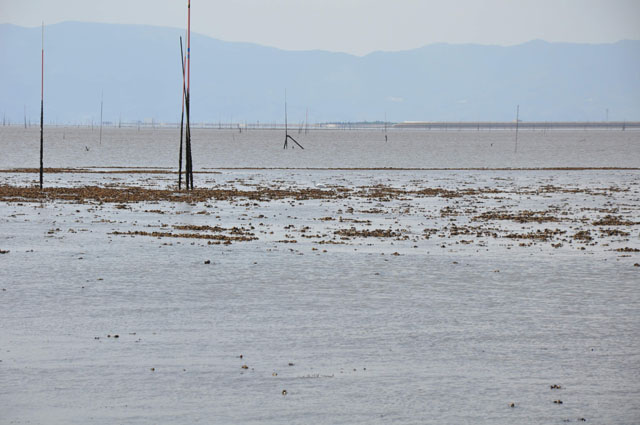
{"x": 138, "y": 67}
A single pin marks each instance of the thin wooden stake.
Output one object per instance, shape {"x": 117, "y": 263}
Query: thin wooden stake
{"x": 188, "y": 46}
{"x": 517, "y": 124}
{"x": 295, "y": 141}
{"x": 42, "y": 112}
{"x": 385, "y": 127}
{"x": 187, "y": 130}
{"x": 181, "y": 118}
{"x": 101, "y": 105}
{"x": 286, "y": 126}
{"x": 188, "y": 99}
{"x": 286, "y": 131}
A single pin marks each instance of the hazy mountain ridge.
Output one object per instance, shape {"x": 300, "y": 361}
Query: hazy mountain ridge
{"x": 139, "y": 70}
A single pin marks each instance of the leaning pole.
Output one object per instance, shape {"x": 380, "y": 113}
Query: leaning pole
{"x": 181, "y": 119}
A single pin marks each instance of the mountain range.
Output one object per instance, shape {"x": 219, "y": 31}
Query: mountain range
{"x": 138, "y": 72}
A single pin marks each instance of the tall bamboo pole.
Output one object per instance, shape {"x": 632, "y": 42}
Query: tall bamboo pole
{"x": 188, "y": 99}
{"x": 188, "y": 46}
{"x": 42, "y": 110}
{"x": 189, "y": 163}
{"x": 181, "y": 118}
{"x": 187, "y": 178}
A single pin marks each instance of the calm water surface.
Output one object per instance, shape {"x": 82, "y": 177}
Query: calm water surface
{"x": 442, "y": 330}
{"x": 80, "y": 147}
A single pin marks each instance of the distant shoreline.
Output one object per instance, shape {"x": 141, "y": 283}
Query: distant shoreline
{"x": 377, "y": 125}
{"x": 523, "y": 125}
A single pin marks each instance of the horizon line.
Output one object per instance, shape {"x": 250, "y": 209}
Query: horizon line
{"x": 435, "y": 43}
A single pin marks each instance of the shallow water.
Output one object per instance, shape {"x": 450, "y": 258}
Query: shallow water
{"x": 80, "y": 147}
{"x": 448, "y": 328}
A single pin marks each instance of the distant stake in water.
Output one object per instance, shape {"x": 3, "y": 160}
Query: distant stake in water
{"x": 286, "y": 126}
{"x": 517, "y": 124}
{"x": 101, "y": 104}
{"x": 386, "y": 139}
{"x": 42, "y": 110}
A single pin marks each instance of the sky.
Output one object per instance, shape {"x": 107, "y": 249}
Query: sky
{"x": 355, "y": 26}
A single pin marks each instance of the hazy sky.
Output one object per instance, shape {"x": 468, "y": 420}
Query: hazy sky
{"x": 355, "y": 26}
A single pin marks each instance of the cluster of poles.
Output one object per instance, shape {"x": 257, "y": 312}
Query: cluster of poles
{"x": 185, "y": 132}
{"x": 185, "y": 128}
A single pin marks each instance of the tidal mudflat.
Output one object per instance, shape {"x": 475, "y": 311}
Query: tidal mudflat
{"x": 320, "y": 296}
